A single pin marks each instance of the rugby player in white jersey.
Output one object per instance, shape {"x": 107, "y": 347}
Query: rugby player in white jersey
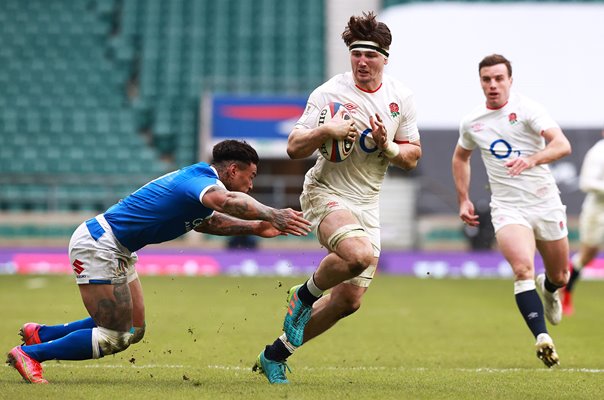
{"x": 517, "y": 139}
{"x": 207, "y": 198}
{"x": 341, "y": 199}
{"x": 591, "y": 221}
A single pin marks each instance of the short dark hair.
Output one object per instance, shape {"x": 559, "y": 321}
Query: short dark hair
{"x": 368, "y": 28}
{"x": 495, "y": 59}
{"x": 234, "y": 150}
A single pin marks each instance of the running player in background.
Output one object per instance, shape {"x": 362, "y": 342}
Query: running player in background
{"x": 207, "y": 198}
{"x": 591, "y": 221}
{"x": 342, "y": 199}
{"x": 517, "y": 138}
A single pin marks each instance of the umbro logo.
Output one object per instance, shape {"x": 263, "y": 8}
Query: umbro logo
{"x": 533, "y": 315}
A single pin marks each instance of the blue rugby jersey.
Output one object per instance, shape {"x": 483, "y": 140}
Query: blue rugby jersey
{"x": 164, "y": 208}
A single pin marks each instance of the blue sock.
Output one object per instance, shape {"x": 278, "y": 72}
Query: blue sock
{"x": 531, "y": 308}
{"x": 52, "y": 332}
{"x": 75, "y": 346}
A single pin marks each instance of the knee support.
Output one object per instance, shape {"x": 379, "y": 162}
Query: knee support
{"x": 106, "y": 341}
{"x": 137, "y": 334}
{"x": 364, "y": 279}
{"x": 344, "y": 232}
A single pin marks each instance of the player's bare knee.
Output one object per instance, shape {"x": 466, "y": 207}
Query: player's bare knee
{"x": 348, "y": 305}
{"x": 357, "y": 267}
{"x": 350, "y": 308}
{"x": 523, "y": 271}
{"x": 107, "y": 341}
{"x": 359, "y": 259}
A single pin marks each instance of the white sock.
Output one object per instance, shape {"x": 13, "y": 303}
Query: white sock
{"x": 290, "y": 347}
{"x": 524, "y": 286}
{"x": 312, "y": 287}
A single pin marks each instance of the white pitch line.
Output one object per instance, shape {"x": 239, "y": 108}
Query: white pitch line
{"x": 423, "y": 369}
{"x": 360, "y": 368}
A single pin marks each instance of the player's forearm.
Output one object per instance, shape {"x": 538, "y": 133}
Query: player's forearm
{"x": 408, "y": 157}
{"x": 302, "y": 143}
{"x": 225, "y": 225}
{"x": 240, "y": 205}
{"x": 555, "y": 150}
{"x": 461, "y": 178}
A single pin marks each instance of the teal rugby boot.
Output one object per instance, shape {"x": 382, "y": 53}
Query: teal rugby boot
{"x": 296, "y": 318}
{"x": 273, "y": 370}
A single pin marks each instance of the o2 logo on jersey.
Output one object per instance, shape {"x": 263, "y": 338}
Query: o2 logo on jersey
{"x": 502, "y": 149}
{"x": 363, "y": 142}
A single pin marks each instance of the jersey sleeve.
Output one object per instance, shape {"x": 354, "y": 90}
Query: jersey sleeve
{"x": 465, "y": 136}
{"x": 310, "y": 117}
{"x": 197, "y": 188}
{"x": 591, "y": 178}
{"x": 407, "y": 130}
{"x": 538, "y": 118}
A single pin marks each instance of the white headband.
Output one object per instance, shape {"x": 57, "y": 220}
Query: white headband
{"x": 368, "y": 46}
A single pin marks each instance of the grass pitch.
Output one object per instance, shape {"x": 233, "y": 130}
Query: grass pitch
{"x": 412, "y": 339}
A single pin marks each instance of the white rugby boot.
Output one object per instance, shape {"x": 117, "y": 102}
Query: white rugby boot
{"x": 552, "y": 306}
{"x": 546, "y": 351}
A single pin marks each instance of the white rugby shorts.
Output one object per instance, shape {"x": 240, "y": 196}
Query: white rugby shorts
{"x": 97, "y": 257}
{"x": 546, "y": 220}
{"x": 591, "y": 223}
{"x": 317, "y": 204}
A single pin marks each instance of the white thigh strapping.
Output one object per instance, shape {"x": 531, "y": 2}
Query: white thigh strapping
{"x": 106, "y": 341}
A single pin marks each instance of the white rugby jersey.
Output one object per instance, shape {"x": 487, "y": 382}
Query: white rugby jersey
{"x": 513, "y": 130}
{"x": 360, "y": 176}
{"x": 592, "y": 174}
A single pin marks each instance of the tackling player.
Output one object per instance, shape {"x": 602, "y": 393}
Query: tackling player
{"x": 516, "y": 139}
{"x": 207, "y": 198}
{"x": 342, "y": 199}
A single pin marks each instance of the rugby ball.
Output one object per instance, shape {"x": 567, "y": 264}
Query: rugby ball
{"x": 334, "y": 150}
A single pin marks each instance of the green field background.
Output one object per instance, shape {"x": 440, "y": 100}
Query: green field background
{"x": 412, "y": 339}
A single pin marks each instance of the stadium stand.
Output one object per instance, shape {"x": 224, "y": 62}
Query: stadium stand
{"x": 99, "y": 96}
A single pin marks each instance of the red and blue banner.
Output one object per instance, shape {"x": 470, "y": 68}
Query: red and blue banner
{"x": 264, "y": 122}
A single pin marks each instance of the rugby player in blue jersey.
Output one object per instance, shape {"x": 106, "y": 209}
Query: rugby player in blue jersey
{"x": 208, "y": 198}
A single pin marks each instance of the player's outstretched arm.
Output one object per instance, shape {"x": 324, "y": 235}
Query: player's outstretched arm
{"x": 245, "y": 207}
{"x": 225, "y": 225}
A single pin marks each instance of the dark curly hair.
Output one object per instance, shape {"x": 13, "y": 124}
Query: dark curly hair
{"x": 369, "y": 28}
{"x": 495, "y": 59}
{"x": 234, "y": 150}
